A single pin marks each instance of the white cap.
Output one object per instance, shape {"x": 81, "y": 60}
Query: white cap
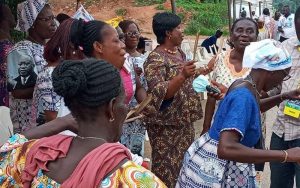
{"x": 266, "y": 54}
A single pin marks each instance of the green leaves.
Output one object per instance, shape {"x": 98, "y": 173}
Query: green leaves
{"x": 207, "y": 17}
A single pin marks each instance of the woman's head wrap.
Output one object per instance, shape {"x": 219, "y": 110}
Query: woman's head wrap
{"x": 27, "y": 13}
{"x": 266, "y": 54}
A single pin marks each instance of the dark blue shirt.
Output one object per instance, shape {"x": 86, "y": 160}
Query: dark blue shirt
{"x": 209, "y": 42}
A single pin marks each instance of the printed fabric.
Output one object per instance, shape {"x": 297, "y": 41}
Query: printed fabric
{"x": 170, "y": 123}
{"x": 13, "y": 157}
{"x": 133, "y": 134}
{"x": 22, "y": 70}
{"x": 202, "y": 168}
{"x": 44, "y": 97}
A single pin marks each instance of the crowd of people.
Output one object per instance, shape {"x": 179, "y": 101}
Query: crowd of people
{"x": 71, "y": 83}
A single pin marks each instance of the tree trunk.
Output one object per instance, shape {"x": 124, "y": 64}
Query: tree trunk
{"x": 173, "y": 6}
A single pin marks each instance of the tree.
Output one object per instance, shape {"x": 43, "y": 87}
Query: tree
{"x": 13, "y": 4}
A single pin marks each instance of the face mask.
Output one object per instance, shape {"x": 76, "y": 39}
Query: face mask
{"x": 200, "y": 83}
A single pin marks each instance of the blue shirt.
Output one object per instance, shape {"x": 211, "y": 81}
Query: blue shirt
{"x": 238, "y": 111}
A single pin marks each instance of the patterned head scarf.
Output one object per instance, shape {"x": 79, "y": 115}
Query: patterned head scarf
{"x": 27, "y": 13}
{"x": 267, "y": 54}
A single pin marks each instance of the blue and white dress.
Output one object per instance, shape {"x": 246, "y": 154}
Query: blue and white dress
{"x": 44, "y": 97}
{"x": 238, "y": 111}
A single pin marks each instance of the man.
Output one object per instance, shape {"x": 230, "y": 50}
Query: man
{"x": 286, "y": 25}
{"x": 27, "y": 77}
{"x": 243, "y": 13}
{"x": 286, "y": 129}
{"x": 254, "y": 17}
{"x": 209, "y": 42}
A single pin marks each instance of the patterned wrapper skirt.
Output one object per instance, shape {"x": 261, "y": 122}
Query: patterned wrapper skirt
{"x": 202, "y": 168}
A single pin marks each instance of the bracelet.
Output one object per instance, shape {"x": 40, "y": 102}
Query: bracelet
{"x": 285, "y": 157}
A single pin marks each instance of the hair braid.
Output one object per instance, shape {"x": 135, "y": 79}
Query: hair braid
{"x": 89, "y": 82}
{"x": 58, "y": 45}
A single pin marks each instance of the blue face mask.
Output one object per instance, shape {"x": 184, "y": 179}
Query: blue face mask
{"x": 200, "y": 83}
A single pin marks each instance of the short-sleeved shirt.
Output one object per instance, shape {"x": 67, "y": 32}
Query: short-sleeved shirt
{"x": 288, "y": 26}
{"x": 284, "y": 125}
{"x": 240, "y": 112}
{"x": 44, "y": 97}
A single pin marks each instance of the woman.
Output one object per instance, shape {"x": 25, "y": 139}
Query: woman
{"x": 7, "y": 22}
{"x": 63, "y": 45}
{"x": 228, "y": 66}
{"x": 93, "y": 92}
{"x": 223, "y": 157}
{"x": 25, "y": 60}
{"x": 175, "y": 105}
{"x": 133, "y": 132}
{"x": 101, "y": 41}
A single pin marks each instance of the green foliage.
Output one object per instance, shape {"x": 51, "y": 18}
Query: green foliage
{"x": 160, "y": 7}
{"x": 182, "y": 16}
{"x": 121, "y": 11}
{"x": 148, "y": 2}
{"x": 207, "y": 17}
{"x": 294, "y": 4}
{"x": 16, "y": 35}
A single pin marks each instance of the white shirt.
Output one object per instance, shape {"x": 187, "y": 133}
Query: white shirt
{"x": 288, "y": 26}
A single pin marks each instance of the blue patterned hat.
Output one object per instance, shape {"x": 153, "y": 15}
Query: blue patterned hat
{"x": 27, "y": 13}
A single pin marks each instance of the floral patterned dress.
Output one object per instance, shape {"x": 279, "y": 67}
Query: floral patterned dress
{"x": 170, "y": 124}
{"x": 13, "y": 157}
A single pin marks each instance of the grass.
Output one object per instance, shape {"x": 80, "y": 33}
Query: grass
{"x": 148, "y": 2}
{"x": 121, "y": 12}
{"x": 207, "y": 17}
{"x": 160, "y": 7}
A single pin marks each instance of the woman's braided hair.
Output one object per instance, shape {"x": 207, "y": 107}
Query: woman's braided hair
{"x": 90, "y": 32}
{"x": 86, "y": 83}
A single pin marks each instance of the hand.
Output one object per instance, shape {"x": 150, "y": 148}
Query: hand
{"x": 70, "y": 123}
{"x": 211, "y": 63}
{"x": 188, "y": 69}
{"x": 138, "y": 70}
{"x": 292, "y": 95}
{"x": 293, "y": 155}
{"x": 221, "y": 87}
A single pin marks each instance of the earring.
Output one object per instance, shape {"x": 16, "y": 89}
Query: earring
{"x": 111, "y": 119}
{"x": 169, "y": 37}
{"x": 74, "y": 52}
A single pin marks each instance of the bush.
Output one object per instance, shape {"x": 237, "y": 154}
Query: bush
{"x": 160, "y": 7}
{"x": 207, "y": 17}
{"x": 148, "y": 2}
{"x": 121, "y": 12}
{"x": 16, "y": 35}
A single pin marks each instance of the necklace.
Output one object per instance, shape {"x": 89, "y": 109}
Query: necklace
{"x": 91, "y": 137}
{"x": 250, "y": 81}
{"x": 170, "y": 51}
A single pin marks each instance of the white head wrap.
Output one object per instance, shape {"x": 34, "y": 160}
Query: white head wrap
{"x": 266, "y": 54}
{"x": 27, "y": 13}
